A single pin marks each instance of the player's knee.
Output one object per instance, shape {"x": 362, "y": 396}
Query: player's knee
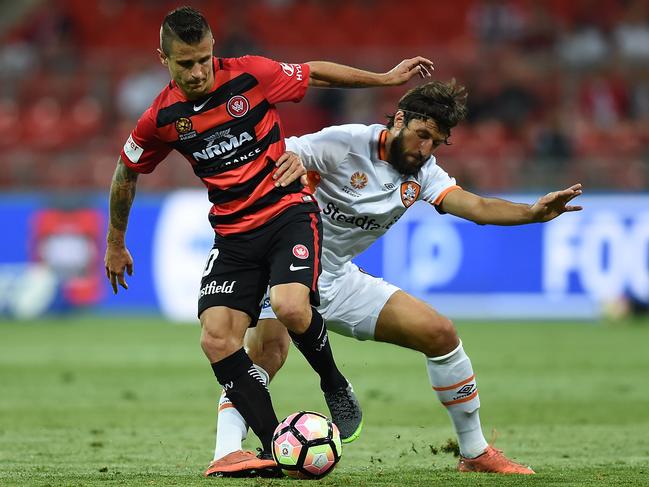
{"x": 439, "y": 338}
{"x": 276, "y": 356}
{"x": 271, "y": 354}
{"x": 295, "y": 315}
{"x": 218, "y": 345}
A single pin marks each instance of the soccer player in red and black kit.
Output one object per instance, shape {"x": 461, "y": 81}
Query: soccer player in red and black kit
{"x": 219, "y": 113}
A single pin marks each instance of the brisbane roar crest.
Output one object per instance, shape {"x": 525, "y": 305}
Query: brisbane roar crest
{"x": 409, "y": 193}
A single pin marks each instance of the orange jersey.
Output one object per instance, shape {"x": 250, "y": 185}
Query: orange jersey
{"x": 231, "y": 136}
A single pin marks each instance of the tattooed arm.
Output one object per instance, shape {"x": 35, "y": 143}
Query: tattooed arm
{"x": 118, "y": 258}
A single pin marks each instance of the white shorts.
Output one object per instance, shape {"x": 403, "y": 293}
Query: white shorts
{"x": 350, "y": 301}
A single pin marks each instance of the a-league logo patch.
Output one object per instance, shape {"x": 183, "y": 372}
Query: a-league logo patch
{"x": 183, "y": 125}
{"x": 300, "y": 251}
{"x": 409, "y": 193}
{"x": 358, "y": 180}
{"x": 238, "y": 106}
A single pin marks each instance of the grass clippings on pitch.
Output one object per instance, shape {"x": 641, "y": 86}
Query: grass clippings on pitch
{"x": 102, "y": 402}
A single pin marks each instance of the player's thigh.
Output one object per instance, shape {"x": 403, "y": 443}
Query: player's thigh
{"x": 352, "y": 300}
{"x": 234, "y": 277}
{"x": 409, "y": 322}
{"x": 268, "y": 345}
{"x": 284, "y": 298}
{"x": 291, "y": 304}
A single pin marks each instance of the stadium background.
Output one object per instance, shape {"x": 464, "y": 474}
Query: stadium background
{"x": 559, "y": 93}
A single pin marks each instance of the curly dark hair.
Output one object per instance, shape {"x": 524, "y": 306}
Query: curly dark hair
{"x": 184, "y": 23}
{"x": 442, "y": 101}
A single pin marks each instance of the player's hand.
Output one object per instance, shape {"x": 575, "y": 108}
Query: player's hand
{"x": 554, "y": 204}
{"x": 289, "y": 168}
{"x": 118, "y": 259}
{"x": 408, "y": 69}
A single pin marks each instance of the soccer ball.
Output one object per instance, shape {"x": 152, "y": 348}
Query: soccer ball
{"x": 306, "y": 445}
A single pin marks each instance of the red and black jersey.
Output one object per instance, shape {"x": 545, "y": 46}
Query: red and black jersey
{"x": 231, "y": 136}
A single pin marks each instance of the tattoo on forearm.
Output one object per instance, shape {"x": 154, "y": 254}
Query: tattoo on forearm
{"x": 122, "y": 192}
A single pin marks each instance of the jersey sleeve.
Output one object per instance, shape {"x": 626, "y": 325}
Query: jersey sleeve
{"x": 143, "y": 150}
{"x": 436, "y": 184}
{"x": 321, "y": 151}
{"x": 279, "y": 81}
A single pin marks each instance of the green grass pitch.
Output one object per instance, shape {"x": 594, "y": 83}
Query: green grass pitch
{"x": 131, "y": 401}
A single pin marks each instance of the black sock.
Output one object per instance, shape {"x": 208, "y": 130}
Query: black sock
{"x": 240, "y": 380}
{"x": 314, "y": 345}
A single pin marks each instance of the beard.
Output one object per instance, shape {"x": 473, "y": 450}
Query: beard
{"x": 401, "y": 161}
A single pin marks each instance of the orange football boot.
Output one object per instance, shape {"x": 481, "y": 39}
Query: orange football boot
{"x": 243, "y": 464}
{"x": 492, "y": 461}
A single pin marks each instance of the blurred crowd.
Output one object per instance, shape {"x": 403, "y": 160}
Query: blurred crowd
{"x": 558, "y": 90}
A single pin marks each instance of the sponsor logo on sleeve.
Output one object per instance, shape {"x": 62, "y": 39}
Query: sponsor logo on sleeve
{"x": 132, "y": 150}
{"x": 291, "y": 70}
{"x": 409, "y": 193}
{"x": 238, "y": 106}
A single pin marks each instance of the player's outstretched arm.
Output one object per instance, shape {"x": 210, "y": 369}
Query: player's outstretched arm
{"x": 553, "y": 204}
{"x": 118, "y": 259}
{"x": 325, "y": 74}
{"x": 495, "y": 211}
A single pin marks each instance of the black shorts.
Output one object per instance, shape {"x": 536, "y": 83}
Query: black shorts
{"x": 285, "y": 250}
